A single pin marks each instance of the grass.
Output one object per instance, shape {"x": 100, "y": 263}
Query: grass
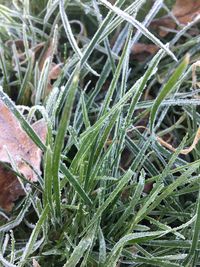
{"x": 110, "y": 194}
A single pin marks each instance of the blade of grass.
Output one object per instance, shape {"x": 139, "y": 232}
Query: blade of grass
{"x": 59, "y": 140}
{"x": 33, "y": 237}
{"x": 70, "y": 35}
{"x": 139, "y": 26}
{"x": 168, "y": 87}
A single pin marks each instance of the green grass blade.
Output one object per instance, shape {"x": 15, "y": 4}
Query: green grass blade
{"x": 116, "y": 76}
{"x": 59, "y": 140}
{"x": 124, "y": 180}
{"x": 98, "y": 34}
{"x": 33, "y": 237}
{"x": 70, "y": 35}
{"x": 139, "y": 26}
{"x": 195, "y": 239}
{"x": 152, "y": 68}
{"x": 81, "y": 248}
{"x": 168, "y": 87}
{"x": 48, "y": 178}
{"x": 135, "y": 198}
{"x": 14, "y": 223}
{"x": 79, "y": 189}
{"x": 112, "y": 259}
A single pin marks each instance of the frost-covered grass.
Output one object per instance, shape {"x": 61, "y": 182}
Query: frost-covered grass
{"x": 94, "y": 205}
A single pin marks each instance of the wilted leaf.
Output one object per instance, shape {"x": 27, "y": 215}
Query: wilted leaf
{"x": 184, "y": 11}
{"x": 35, "y": 263}
{"x": 49, "y": 52}
{"x": 39, "y": 54}
{"x": 19, "y": 43}
{"x": 15, "y": 143}
{"x": 183, "y": 151}
{"x": 55, "y": 71}
{"x": 142, "y": 51}
{"x": 194, "y": 75}
{"x": 37, "y": 49}
{"x": 10, "y": 188}
{"x": 148, "y": 187}
{"x": 164, "y": 143}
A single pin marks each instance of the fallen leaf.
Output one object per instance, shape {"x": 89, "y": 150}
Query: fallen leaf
{"x": 14, "y": 140}
{"x": 48, "y": 53}
{"x": 55, "y": 71}
{"x": 19, "y": 43}
{"x": 148, "y": 187}
{"x": 10, "y": 188}
{"x": 195, "y": 84}
{"x": 38, "y": 53}
{"x": 141, "y": 51}
{"x": 184, "y": 11}
{"x": 183, "y": 151}
{"x": 37, "y": 49}
{"x": 35, "y": 263}
{"x": 163, "y": 25}
{"x": 15, "y": 143}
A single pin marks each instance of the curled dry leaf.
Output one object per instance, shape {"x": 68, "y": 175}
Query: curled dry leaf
{"x": 148, "y": 187}
{"x": 38, "y": 48}
{"x": 195, "y": 84}
{"x": 184, "y": 151}
{"x": 35, "y": 263}
{"x": 48, "y": 53}
{"x": 141, "y": 51}
{"x": 38, "y": 53}
{"x": 184, "y": 11}
{"x": 20, "y": 50}
{"x": 19, "y": 44}
{"x": 54, "y": 70}
{"x": 16, "y": 144}
{"x": 10, "y": 188}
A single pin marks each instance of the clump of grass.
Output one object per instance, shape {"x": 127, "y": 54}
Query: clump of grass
{"x": 93, "y": 206}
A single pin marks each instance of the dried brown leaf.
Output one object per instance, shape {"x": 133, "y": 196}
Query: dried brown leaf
{"x": 35, "y": 263}
{"x": 19, "y": 43}
{"x": 49, "y": 52}
{"x": 38, "y": 47}
{"x": 14, "y": 140}
{"x": 184, "y": 11}
{"x": 184, "y": 151}
{"x": 55, "y": 71}
{"x": 195, "y": 84}
{"x": 15, "y": 143}
{"x": 141, "y": 51}
{"x": 148, "y": 187}
{"x": 10, "y": 188}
